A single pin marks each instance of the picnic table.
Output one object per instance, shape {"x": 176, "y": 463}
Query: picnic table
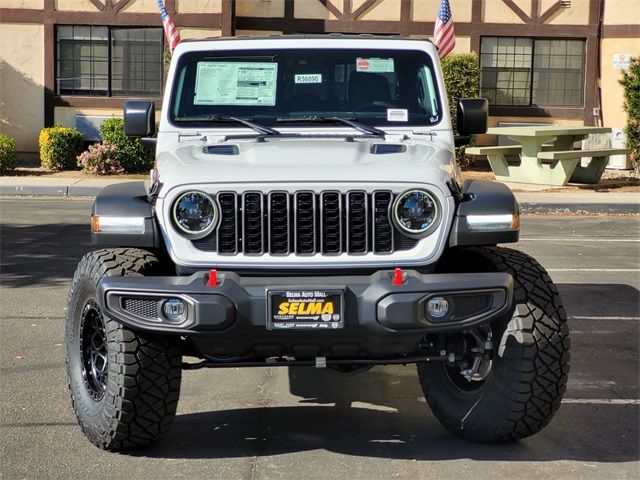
{"x": 547, "y": 155}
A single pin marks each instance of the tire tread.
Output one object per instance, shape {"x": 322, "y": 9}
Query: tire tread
{"x": 141, "y": 404}
{"x": 534, "y": 373}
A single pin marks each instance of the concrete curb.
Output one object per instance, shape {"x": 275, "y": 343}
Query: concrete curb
{"x": 36, "y": 190}
{"x": 579, "y": 202}
{"x": 56, "y": 187}
{"x": 590, "y": 208}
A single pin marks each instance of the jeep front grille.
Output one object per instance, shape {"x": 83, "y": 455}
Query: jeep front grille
{"x": 305, "y": 223}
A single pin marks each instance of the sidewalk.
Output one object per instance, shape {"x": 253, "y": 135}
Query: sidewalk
{"x": 588, "y": 201}
{"x": 57, "y": 187}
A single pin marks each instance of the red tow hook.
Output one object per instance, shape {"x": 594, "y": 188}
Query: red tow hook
{"x": 213, "y": 278}
{"x": 398, "y": 277}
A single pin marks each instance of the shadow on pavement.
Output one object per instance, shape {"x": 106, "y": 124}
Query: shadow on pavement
{"x": 600, "y": 300}
{"x": 400, "y": 428}
{"x": 381, "y": 413}
{"x": 42, "y": 254}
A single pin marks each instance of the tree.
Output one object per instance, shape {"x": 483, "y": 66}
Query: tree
{"x": 631, "y": 82}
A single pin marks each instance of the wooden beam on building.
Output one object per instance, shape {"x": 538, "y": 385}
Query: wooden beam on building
{"x": 364, "y": 7}
{"x": 551, "y": 11}
{"x": 591, "y": 80}
{"x": 227, "y": 20}
{"x": 535, "y": 10}
{"x": 621, "y": 31}
{"x": 25, "y": 15}
{"x": 306, "y": 25}
{"x": 476, "y": 17}
{"x": 49, "y": 79}
{"x": 325, "y": 3}
{"x": 533, "y": 111}
{"x": 77, "y": 101}
{"x": 289, "y": 16}
{"x": 594, "y": 11}
{"x": 513, "y": 6}
{"x": 98, "y": 4}
{"x": 476, "y": 11}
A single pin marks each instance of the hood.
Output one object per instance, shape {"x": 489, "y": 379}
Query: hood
{"x": 301, "y": 160}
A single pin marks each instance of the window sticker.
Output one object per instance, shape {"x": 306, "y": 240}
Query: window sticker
{"x": 236, "y": 83}
{"x": 308, "y": 78}
{"x": 374, "y": 65}
{"x": 397, "y": 115}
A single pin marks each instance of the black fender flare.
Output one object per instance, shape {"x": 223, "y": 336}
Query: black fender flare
{"x": 480, "y": 197}
{"x": 128, "y": 200}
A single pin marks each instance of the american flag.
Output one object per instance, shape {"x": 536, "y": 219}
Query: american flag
{"x": 443, "y": 35}
{"x": 170, "y": 30}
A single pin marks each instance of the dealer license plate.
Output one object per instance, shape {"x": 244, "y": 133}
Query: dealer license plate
{"x": 305, "y": 310}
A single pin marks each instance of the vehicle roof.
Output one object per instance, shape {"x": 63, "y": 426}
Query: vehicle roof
{"x": 309, "y": 36}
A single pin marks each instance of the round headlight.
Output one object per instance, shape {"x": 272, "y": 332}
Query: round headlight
{"x": 195, "y": 213}
{"x": 415, "y": 213}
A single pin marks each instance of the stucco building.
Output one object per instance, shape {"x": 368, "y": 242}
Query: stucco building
{"x": 73, "y": 62}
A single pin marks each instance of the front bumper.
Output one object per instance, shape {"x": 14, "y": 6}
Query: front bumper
{"x": 380, "y": 318}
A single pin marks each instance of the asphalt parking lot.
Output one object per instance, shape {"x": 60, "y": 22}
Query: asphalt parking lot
{"x": 289, "y": 423}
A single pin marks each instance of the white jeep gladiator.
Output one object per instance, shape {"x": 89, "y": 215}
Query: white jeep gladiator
{"x": 306, "y": 209}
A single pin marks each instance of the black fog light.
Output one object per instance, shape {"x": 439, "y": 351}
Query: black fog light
{"x": 174, "y": 310}
{"x": 437, "y": 308}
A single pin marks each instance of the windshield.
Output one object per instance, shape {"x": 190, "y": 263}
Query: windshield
{"x": 375, "y": 87}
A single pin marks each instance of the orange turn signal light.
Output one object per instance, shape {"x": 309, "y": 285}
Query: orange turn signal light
{"x": 515, "y": 222}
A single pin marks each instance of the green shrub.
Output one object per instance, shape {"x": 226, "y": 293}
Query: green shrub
{"x": 59, "y": 147}
{"x": 166, "y": 60}
{"x": 132, "y": 155}
{"x": 100, "y": 159}
{"x": 631, "y": 83}
{"x": 8, "y": 159}
{"x": 462, "y": 80}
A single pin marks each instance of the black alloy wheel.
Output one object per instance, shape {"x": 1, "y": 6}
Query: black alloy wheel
{"x": 93, "y": 348}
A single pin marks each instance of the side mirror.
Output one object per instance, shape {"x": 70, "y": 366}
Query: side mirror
{"x": 472, "y": 116}
{"x": 139, "y": 119}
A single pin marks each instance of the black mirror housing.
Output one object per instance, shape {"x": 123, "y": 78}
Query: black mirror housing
{"x": 139, "y": 119}
{"x": 472, "y": 116}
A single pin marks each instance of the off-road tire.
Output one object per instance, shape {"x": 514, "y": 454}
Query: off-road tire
{"x": 137, "y": 401}
{"x": 530, "y": 363}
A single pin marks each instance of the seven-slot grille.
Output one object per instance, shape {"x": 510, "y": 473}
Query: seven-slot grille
{"x": 305, "y": 223}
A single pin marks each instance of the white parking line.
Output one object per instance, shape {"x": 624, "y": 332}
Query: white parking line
{"x": 578, "y": 239}
{"x": 580, "y": 317}
{"x": 615, "y": 270}
{"x": 587, "y": 401}
{"x": 602, "y": 401}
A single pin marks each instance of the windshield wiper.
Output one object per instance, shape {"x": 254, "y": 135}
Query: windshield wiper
{"x": 261, "y": 129}
{"x": 319, "y": 118}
